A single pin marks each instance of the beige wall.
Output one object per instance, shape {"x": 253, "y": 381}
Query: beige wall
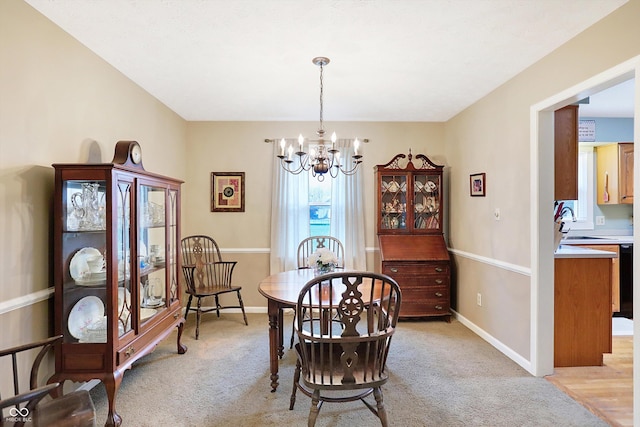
{"x": 59, "y": 103}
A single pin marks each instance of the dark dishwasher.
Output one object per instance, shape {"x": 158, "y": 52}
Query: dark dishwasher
{"x": 626, "y": 281}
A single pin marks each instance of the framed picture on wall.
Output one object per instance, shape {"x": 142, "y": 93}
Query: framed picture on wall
{"x": 477, "y": 184}
{"x": 227, "y": 191}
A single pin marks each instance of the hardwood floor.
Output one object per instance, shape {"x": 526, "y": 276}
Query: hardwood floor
{"x": 606, "y": 390}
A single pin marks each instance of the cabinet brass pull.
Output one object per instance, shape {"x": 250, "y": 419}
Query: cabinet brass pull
{"x": 439, "y": 281}
{"x": 438, "y": 294}
{"x": 394, "y": 270}
{"x": 438, "y": 307}
{"x": 175, "y": 315}
{"x": 439, "y": 269}
{"x": 129, "y": 351}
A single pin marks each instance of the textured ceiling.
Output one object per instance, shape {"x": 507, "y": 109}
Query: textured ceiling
{"x": 400, "y": 60}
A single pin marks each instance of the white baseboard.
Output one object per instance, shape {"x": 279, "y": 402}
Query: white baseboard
{"x": 499, "y": 345}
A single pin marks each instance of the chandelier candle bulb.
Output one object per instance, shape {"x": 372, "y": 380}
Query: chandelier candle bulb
{"x": 282, "y": 144}
{"x": 301, "y": 142}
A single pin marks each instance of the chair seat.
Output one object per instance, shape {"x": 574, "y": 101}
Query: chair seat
{"x": 205, "y": 291}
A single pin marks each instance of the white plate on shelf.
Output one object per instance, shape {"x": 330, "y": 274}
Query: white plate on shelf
{"x": 154, "y": 303}
{"x": 85, "y": 313}
{"x": 78, "y": 267}
{"x": 146, "y": 313}
{"x": 94, "y": 279}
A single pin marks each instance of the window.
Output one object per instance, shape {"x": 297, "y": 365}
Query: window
{"x": 583, "y": 207}
{"x": 319, "y": 206}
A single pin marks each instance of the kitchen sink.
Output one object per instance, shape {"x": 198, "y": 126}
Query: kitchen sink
{"x": 582, "y": 238}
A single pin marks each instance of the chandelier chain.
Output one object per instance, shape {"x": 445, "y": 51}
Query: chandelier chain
{"x": 321, "y": 93}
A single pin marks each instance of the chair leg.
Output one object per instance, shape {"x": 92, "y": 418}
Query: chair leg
{"x": 186, "y": 313}
{"x": 242, "y": 307}
{"x": 198, "y": 315}
{"x": 293, "y": 327}
{"x": 382, "y": 413}
{"x": 217, "y": 306}
{"x": 315, "y": 408}
{"x": 296, "y": 380}
{"x": 293, "y": 330}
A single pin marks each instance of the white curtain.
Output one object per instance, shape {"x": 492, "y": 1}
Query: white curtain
{"x": 289, "y": 215}
{"x": 347, "y": 210}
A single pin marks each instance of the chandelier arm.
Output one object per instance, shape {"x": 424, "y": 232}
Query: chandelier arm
{"x": 352, "y": 171}
{"x": 303, "y": 165}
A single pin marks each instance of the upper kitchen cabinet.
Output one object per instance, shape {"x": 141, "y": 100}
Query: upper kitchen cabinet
{"x": 566, "y": 153}
{"x": 615, "y": 173}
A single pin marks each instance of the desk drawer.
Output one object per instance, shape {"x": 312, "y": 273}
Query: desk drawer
{"x": 418, "y": 309}
{"x": 393, "y": 269}
{"x": 424, "y": 293}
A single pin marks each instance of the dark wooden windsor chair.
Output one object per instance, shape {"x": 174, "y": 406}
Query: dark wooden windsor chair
{"x": 345, "y": 362}
{"x": 207, "y": 275}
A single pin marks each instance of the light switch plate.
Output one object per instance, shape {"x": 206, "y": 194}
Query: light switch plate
{"x": 599, "y": 220}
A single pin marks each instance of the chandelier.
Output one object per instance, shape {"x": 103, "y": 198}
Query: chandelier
{"x": 322, "y": 157}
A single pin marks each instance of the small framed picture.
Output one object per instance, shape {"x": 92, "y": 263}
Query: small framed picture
{"x": 227, "y": 191}
{"x": 477, "y": 183}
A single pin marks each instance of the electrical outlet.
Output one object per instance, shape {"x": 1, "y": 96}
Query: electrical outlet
{"x": 479, "y": 299}
{"x": 599, "y": 220}
{"x": 496, "y": 215}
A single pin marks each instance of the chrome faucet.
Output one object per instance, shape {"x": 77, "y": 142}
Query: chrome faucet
{"x": 564, "y": 211}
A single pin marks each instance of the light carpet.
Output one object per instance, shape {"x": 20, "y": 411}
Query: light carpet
{"x": 441, "y": 374}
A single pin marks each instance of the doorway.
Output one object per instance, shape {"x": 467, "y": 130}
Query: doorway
{"x": 542, "y": 259}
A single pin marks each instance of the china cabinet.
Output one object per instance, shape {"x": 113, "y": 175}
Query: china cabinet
{"x": 116, "y": 241}
{"x": 409, "y": 227}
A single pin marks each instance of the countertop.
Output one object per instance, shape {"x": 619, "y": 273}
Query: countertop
{"x": 569, "y": 251}
{"x": 598, "y": 240}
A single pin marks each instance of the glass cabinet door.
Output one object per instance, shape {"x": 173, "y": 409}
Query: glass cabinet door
{"x": 393, "y": 207}
{"x": 84, "y": 267}
{"x": 172, "y": 221}
{"x": 124, "y": 191}
{"x": 152, "y": 251}
{"x": 426, "y": 207}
